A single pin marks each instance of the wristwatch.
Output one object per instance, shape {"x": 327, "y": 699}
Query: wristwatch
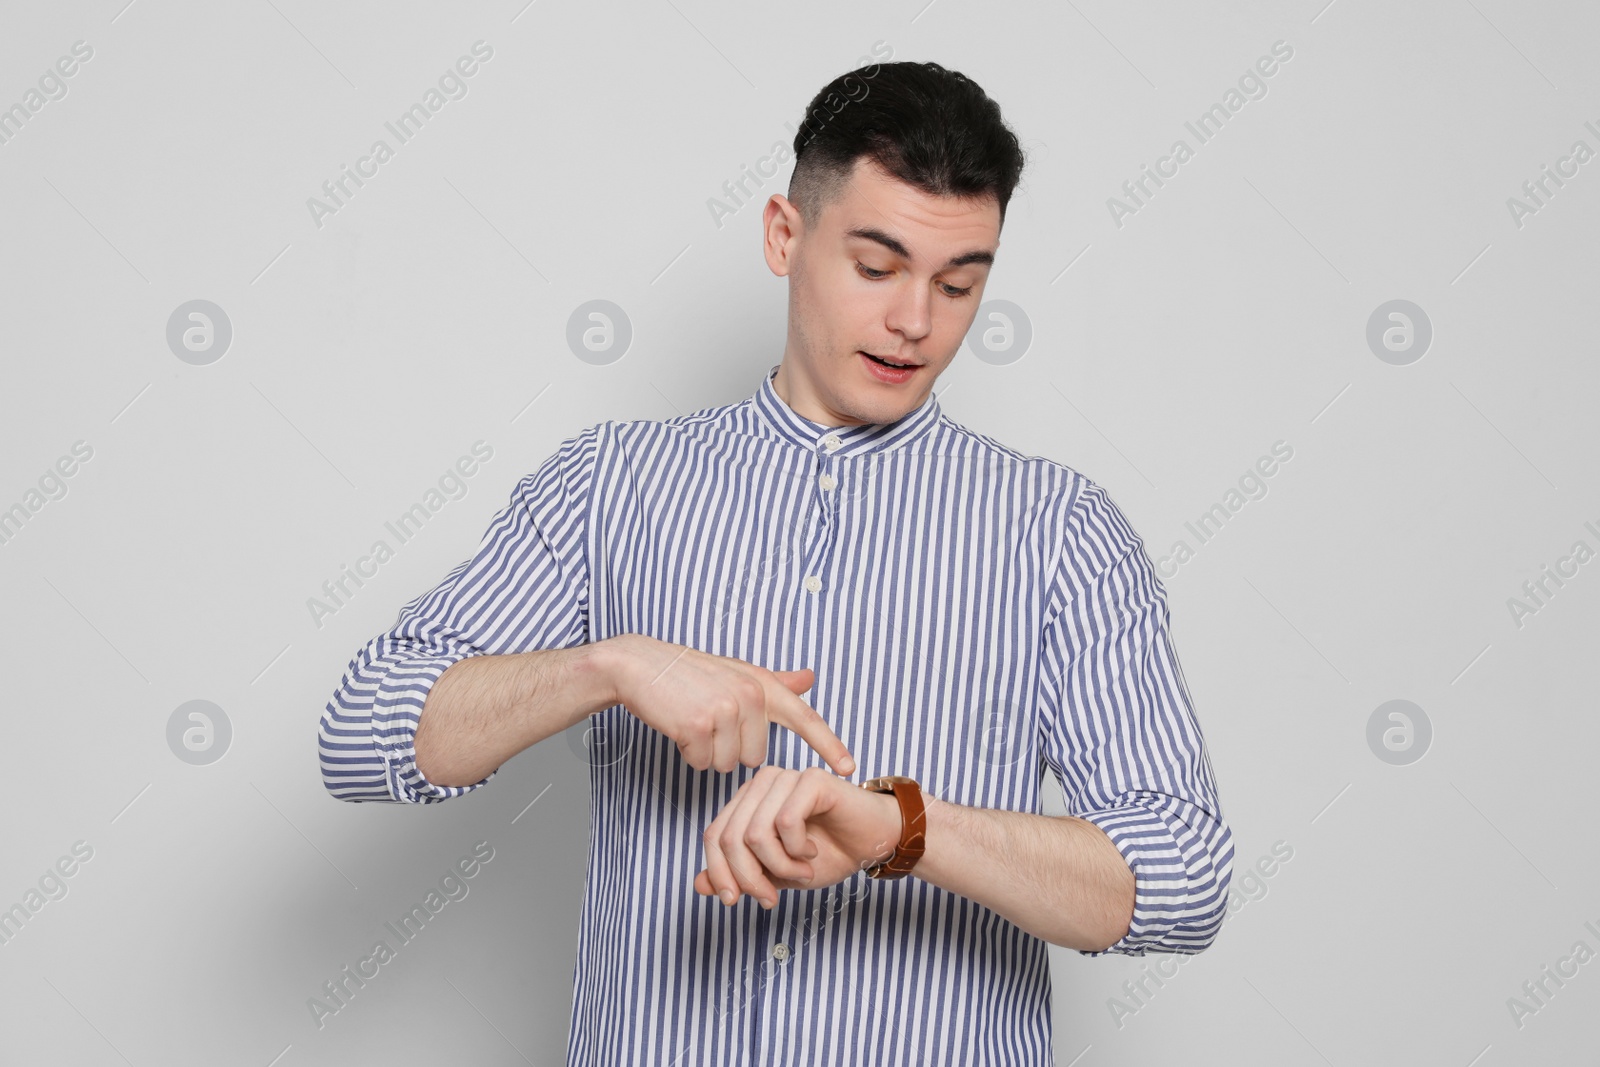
{"x": 912, "y": 838}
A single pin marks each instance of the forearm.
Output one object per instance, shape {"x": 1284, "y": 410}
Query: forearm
{"x": 1059, "y": 878}
{"x": 486, "y": 709}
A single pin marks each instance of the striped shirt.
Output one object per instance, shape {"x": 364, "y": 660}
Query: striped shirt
{"x": 973, "y": 615}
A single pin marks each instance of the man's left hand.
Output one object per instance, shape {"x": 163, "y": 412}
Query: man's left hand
{"x": 789, "y": 829}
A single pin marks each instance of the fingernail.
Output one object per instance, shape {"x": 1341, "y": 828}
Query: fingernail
{"x": 727, "y": 896}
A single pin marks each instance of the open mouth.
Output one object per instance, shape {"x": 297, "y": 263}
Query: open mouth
{"x": 890, "y": 363}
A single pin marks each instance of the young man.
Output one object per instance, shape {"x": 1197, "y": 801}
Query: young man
{"x": 962, "y": 616}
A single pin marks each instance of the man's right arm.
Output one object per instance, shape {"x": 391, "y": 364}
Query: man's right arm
{"x": 486, "y": 709}
{"x": 496, "y": 659}
{"x": 525, "y": 589}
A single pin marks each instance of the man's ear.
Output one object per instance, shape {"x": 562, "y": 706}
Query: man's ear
{"x": 782, "y": 228}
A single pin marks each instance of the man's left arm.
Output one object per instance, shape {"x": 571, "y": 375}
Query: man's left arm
{"x": 1059, "y": 878}
{"x": 1118, "y": 730}
{"x": 1144, "y": 858}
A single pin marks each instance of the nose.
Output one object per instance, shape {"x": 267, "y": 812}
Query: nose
{"x": 911, "y": 313}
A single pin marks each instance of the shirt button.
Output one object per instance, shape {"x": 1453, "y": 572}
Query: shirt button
{"x": 780, "y": 952}
{"x": 827, "y": 481}
{"x": 813, "y": 583}
{"x": 832, "y": 442}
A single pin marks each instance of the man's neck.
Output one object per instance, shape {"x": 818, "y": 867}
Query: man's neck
{"x": 794, "y": 389}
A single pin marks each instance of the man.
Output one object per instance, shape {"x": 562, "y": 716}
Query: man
{"x": 962, "y": 617}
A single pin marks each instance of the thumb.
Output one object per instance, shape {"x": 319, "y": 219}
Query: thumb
{"x": 798, "y": 681}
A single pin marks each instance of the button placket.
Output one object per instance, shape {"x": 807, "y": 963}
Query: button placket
{"x": 757, "y": 1002}
{"x": 816, "y": 555}
{"x": 829, "y": 474}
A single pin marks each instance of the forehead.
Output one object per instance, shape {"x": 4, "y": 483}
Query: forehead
{"x": 928, "y": 226}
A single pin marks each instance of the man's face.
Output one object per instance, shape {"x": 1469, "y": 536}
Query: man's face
{"x": 887, "y": 271}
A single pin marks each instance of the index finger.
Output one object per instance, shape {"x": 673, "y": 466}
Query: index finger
{"x": 792, "y": 713}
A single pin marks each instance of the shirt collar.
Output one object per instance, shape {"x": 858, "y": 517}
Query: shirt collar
{"x": 789, "y": 425}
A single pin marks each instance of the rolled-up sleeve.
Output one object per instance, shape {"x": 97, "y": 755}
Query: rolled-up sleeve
{"x": 1119, "y": 731}
{"x": 525, "y": 589}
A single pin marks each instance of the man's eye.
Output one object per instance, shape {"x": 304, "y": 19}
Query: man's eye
{"x": 949, "y": 290}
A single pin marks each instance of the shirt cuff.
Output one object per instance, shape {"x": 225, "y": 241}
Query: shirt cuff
{"x": 1161, "y": 881}
{"x": 396, "y": 712}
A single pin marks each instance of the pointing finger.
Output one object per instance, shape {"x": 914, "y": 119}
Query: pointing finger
{"x": 788, "y": 710}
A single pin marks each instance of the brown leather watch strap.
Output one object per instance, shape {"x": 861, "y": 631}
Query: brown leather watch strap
{"x": 913, "y": 840}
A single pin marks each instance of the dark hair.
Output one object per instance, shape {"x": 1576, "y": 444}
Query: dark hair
{"x": 932, "y": 128}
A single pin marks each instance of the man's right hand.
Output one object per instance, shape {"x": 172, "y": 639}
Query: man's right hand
{"x": 715, "y": 707}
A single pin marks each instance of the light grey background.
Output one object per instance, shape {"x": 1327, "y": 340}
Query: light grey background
{"x": 1168, "y": 354}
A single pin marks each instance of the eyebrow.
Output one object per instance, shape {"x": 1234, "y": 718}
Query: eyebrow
{"x": 868, "y": 233}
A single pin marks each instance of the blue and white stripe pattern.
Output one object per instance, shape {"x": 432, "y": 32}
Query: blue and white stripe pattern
{"x": 973, "y": 615}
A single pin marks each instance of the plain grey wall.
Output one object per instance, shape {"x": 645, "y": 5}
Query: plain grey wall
{"x": 1169, "y": 349}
